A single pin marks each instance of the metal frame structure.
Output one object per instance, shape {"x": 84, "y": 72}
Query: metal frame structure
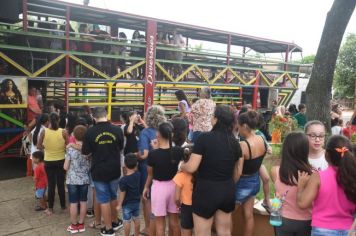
{"x": 222, "y": 71}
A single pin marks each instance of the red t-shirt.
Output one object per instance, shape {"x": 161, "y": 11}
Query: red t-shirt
{"x": 40, "y": 176}
{"x": 33, "y": 104}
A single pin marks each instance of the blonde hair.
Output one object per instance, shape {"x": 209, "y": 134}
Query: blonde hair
{"x": 155, "y": 116}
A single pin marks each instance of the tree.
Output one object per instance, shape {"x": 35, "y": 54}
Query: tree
{"x": 318, "y": 92}
{"x": 345, "y": 73}
{"x": 308, "y": 59}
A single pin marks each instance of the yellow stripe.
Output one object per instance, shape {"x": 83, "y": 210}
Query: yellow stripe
{"x": 130, "y": 69}
{"x": 184, "y": 73}
{"x": 164, "y": 71}
{"x": 237, "y": 76}
{"x": 15, "y": 64}
{"x": 201, "y": 73}
{"x": 218, "y": 76}
{"x": 109, "y": 99}
{"x": 80, "y": 61}
{"x": 277, "y": 80}
{"x": 47, "y": 66}
{"x": 13, "y": 106}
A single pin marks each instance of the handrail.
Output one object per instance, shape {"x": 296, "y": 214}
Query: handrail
{"x": 169, "y": 47}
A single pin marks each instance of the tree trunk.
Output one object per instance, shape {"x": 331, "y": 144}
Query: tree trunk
{"x": 318, "y": 92}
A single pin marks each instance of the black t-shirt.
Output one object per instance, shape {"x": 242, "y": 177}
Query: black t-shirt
{"x": 104, "y": 141}
{"x": 218, "y": 160}
{"x": 131, "y": 185}
{"x": 132, "y": 139}
{"x": 165, "y": 162}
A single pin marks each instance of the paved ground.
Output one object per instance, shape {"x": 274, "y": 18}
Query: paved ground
{"x": 17, "y": 216}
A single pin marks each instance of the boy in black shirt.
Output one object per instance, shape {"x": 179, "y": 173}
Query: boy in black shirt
{"x": 129, "y": 199}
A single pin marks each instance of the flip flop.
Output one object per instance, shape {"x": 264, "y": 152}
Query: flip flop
{"x": 265, "y": 206}
{"x": 94, "y": 225}
{"x": 143, "y": 233}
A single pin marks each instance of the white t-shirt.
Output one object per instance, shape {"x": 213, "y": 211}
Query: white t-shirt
{"x": 319, "y": 163}
{"x": 336, "y": 130}
{"x": 34, "y": 147}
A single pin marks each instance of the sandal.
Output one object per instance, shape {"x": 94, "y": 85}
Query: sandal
{"x": 38, "y": 208}
{"x": 94, "y": 225}
{"x": 48, "y": 211}
{"x": 266, "y": 207}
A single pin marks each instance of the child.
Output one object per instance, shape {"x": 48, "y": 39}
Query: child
{"x": 129, "y": 198}
{"x": 331, "y": 192}
{"x": 40, "y": 178}
{"x": 162, "y": 166}
{"x": 294, "y": 158}
{"x": 336, "y": 126}
{"x": 315, "y": 130}
{"x": 184, "y": 191}
{"x": 77, "y": 167}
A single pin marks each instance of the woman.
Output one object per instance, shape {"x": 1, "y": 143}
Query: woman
{"x": 202, "y": 112}
{"x": 294, "y": 158}
{"x": 10, "y": 94}
{"x": 214, "y": 156}
{"x": 254, "y": 149}
{"x": 153, "y": 117}
{"x": 54, "y": 140}
{"x": 42, "y": 122}
{"x": 162, "y": 167}
{"x": 315, "y": 130}
{"x": 183, "y": 104}
{"x": 331, "y": 192}
{"x": 134, "y": 125}
{"x": 353, "y": 118}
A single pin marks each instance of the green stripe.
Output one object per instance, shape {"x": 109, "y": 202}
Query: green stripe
{"x": 10, "y": 119}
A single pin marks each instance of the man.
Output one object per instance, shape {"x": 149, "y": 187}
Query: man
{"x": 99, "y": 48}
{"x": 104, "y": 142}
{"x": 33, "y": 108}
{"x": 202, "y": 111}
{"x": 300, "y": 116}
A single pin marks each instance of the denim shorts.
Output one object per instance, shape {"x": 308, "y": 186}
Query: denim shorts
{"x": 40, "y": 192}
{"x": 106, "y": 191}
{"x": 246, "y": 187}
{"x": 130, "y": 211}
{"x": 328, "y": 232}
{"x": 77, "y": 193}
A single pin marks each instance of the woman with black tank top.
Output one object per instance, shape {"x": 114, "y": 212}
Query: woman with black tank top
{"x": 248, "y": 180}
{"x": 214, "y": 156}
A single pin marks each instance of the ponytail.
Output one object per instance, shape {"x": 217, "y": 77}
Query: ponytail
{"x": 339, "y": 153}
{"x": 165, "y": 129}
{"x": 41, "y": 120}
{"x": 54, "y": 120}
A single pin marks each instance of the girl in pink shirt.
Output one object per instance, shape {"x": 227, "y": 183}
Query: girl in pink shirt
{"x": 332, "y": 192}
{"x": 294, "y": 158}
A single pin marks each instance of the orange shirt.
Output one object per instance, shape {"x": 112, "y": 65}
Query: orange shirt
{"x": 33, "y": 104}
{"x": 184, "y": 181}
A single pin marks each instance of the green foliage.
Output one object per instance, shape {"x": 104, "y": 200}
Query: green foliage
{"x": 308, "y": 59}
{"x": 345, "y": 73}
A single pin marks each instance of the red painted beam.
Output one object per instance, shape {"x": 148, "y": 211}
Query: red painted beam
{"x": 150, "y": 72}
{"x": 11, "y": 142}
{"x": 67, "y": 72}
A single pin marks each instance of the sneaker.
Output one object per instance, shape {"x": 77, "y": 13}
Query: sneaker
{"x": 90, "y": 213}
{"x": 81, "y": 227}
{"x": 118, "y": 224}
{"x": 73, "y": 229}
{"x": 107, "y": 232}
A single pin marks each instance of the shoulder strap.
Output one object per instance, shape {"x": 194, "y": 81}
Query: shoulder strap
{"x": 249, "y": 149}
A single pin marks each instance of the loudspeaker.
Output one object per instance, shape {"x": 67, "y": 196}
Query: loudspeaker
{"x": 10, "y": 10}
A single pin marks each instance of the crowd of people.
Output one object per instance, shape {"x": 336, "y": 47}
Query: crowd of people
{"x": 194, "y": 169}
{"x": 97, "y": 40}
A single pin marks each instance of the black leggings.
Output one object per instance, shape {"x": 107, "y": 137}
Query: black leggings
{"x": 55, "y": 176}
{"x": 294, "y": 228}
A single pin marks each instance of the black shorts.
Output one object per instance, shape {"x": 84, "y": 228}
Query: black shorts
{"x": 210, "y": 196}
{"x": 186, "y": 217}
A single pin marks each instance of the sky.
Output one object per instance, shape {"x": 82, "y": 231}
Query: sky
{"x": 298, "y": 21}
